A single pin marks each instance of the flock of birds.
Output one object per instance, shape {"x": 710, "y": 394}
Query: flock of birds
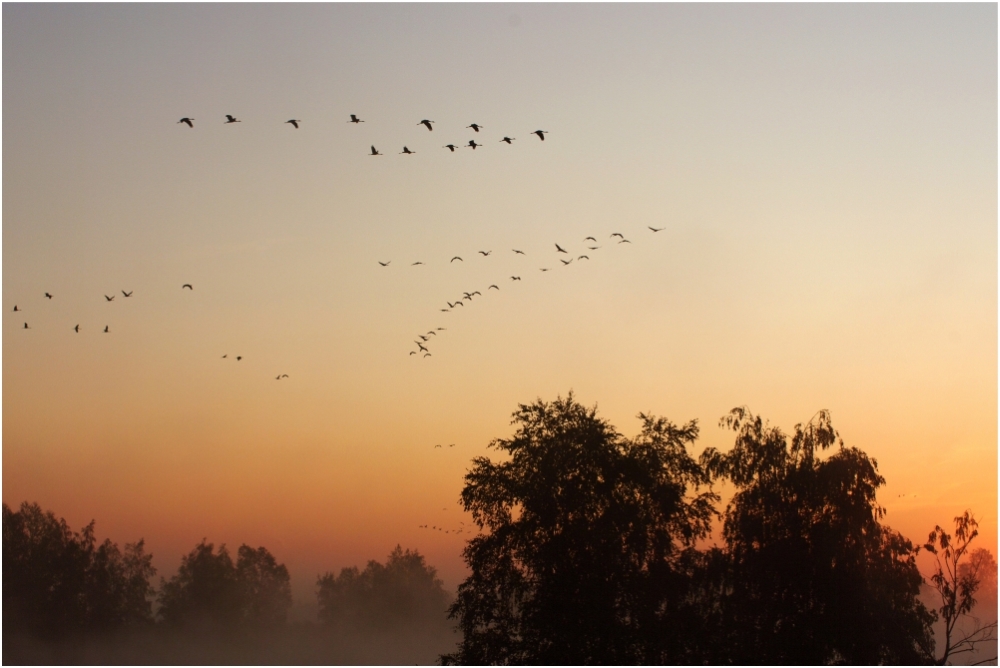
{"x": 422, "y": 341}
{"x": 476, "y": 127}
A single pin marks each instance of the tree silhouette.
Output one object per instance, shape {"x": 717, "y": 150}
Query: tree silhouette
{"x": 57, "y": 581}
{"x": 212, "y": 593}
{"x": 810, "y": 574}
{"x": 957, "y": 584}
{"x": 589, "y": 543}
{"x": 403, "y": 592}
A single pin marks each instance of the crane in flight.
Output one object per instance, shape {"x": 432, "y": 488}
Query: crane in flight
{"x": 188, "y": 286}
{"x": 384, "y": 264}
{"x": 406, "y": 151}
{"x": 450, "y": 147}
{"x": 560, "y": 249}
{"x": 111, "y": 298}
{"x": 188, "y": 121}
{"x": 472, "y": 144}
{"x": 456, "y": 258}
{"x": 485, "y": 253}
{"x": 519, "y": 252}
{"x": 374, "y": 152}
{"x": 541, "y": 134}
{"x": 355, "y": 119}
{"x": 26, "y": 326}
{"x": 295, "y": 122}
{"x": 77, "y": 329}
{"x": 508, "y": 139}
{"x": 475, "y": 127}
{"x": 16, "y": 309}
{"x": 231, "y": 119}
{"x": 427, "y": 123}
{"x": 656, "y": 229}
{"x": 127, "y": 294}
{"x": 515, "y": 278}
{"x": 48, "y": 295}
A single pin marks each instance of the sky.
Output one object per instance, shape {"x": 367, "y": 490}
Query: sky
{"x": 825, "y": 177}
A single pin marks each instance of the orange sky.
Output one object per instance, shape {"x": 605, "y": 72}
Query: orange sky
{"x": 826, "y": 177}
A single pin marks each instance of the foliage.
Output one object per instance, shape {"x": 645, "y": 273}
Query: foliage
{"x": 589, "y": 543}
{"x": 211, "y": 592}
{"x": 812, "y": 576}
{"x": 957, "y": 583}
{"x": 58, "y": 581}
{"x": 405, "y": 591}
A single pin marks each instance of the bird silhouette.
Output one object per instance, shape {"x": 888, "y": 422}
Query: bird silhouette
{"x": 127, "y": 294}
{"x": 441, "y": 329}
{"x": 485, "y": 253}
{"x": 188, "y": 121}
{"x": 450, "y": 147}
{"x": 617, "y": 234}
{"x": 423, "y": 338}
{"x": 384, "y": 264}
{"x": 543, "y": 269}
{"x": 560, "y": 249}
{"x": 438, "y": 445}
{"x": 231, "y": 119}
{"x": 590, "y": 239}
{"x": 624, "y": 241}
{"x": 592, "y": 247}
{"x": 355, "y": 119}
{"x": 413, "y": 352}
{"x": 508, "y": 139}
{"x": 106, "y": 329}
{"x": 541, "y": 134}
{"x": 421, "y": 346}
{"x": 374, "y": 152}
{"x": 295, "y": 122}
{"x": 77, "y": 329}
{"x": 111, "y": 298}
{"x": 472, "y": 144}
{"x": 656, "y": 229}
{"x": 238, "y": 358}
{"x": 474, "y": 126}
{"x": 427, "y": 123}
{"x": 26, "y": 326}
{"x": 565, "y": 262}
{"x": 407, "y": 151}
{"x": 16, "y": 309}
{"x": 517, "y": 251}
{"x": 415, "y": 264}
{"x": 456, "y": 258}
{"x": 187, "y": 285}
{"x": 225, "y": 356}
{"x": 427, "y": 354}
{"x": 515, "y": 278}
{"x": 493, "y": 287}
{"x": 48, "y": 295}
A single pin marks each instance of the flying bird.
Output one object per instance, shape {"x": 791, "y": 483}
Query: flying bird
{"x": 77, "y": 329}
{"x": 188, "y": 121}
{"x": 617, "y": 234}
{"x": 238, "y": 358}
{"x": 517, "y": 251}
{"x": 656, "y": 229}
{"x": 231, "y": 119}
{"x": 187, "y": 285}
{"x": 456, "y": 258}
{"x": 48, "y": 295}
{"x": 565, "y": 262}
{"x": 541, "y": 134}
{"x": 493, "y": 287}
{"x": 592, "y": 247}
{"x": 295, "y": 122}
{"x": 421, "y": 346}
{"x": 384, "y": 264}
{"x": 16, "y": 309}
{"x": 560, "y": 248}
{"x": 438, "y": 445}
{"x": 225, "y": 356}
{"x": 543, "y": 269}
{"x": 127, "y": 294}
{"x": 427, "y": 123}
{"x": 406, "y": 151}
{"x": 583, "y": 257}
{"x": 485, "y": 253}
{"x": 624, "y": 241}
{"x": 355, "y": 119}
{"x": 472, "y": 144}
{"x": 515, "y": 278}
{"x": 450, "y": 147}
{"x": 111, "y": 298}
{"x": 26, "y": 326}
{"x": 474, "y": 127}
{"x": 508, "y": 139}
{"x": 590, "y": 239}
{"x": 414, "y": 264}
{"x": 427, "y": 354}
{"x": 413, "y": 352}
{"x": 105, "y": 329}
{"x": 374, "y": 152}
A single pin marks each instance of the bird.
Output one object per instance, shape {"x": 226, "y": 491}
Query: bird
{"x": 456, "y": 258}
{"x": 467, "y": 295}
{"x": 384, "y": 264}
{"x": 427, "y": 354}
{"x": 438, "y": 445}
{"x": 77, "y": 329}
{"x": 413, "y": 352}
{"x": 617, "y": 234}
{"x": 16, "y": 309}
{"x": 231, "y": 119}
{"x": 374, "y": 152}
{"x": 423, "y": 338}
{"x": 656, "y": 229}
{"x": 445, "y": 310}
{"x": 592, "y": 247}
{"x": 188, "y": 121}
{"x": 515, "y": 278}
{"x": 432, "y": 333}
{"x": 519, "y": 252}
{"x": 239, "y": 357}
{"x": 127, "y": 294}
{"x": 590, "y": 239}
{"x": 560, "y": 249}
{"x": 493, "y": 287}
{"x": 474, "y": 126}
{"x": 508, "y": 139}
{"x": 278, "y": 377}
{"x": 26, "y": 326}
{"x": 441, "y": 329}
{"x": 427, "y": 123}
{"x": 583, "y": 257}
{"x": 565, "y": 262}
{"x": 450, "y": 147}
{"x": 541, "y": 134}
{"x": 48, "y": 295}
{"x": 284, "y": 375}
{"x": 111, "y": 298}
{"x": 543, "y": 269}
{"x": 295, "y": 122}
{"x": 225, "y": 356}
{"x": 406, "y": 151}
{"x": 106, "y": 329}
{"x": 421, "y": 346}
{"x": 414, "y": 264}
{"x": 473, "y": 144}
{"x": 485, "y": 253}
{"x": 187, "y": 285}
{"x": 355, "y": 119}
{"x": 624, "y": 241}
{"x": 458, "y": 303}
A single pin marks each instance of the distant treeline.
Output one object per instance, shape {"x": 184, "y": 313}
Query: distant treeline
{"x": 592, "y": 551}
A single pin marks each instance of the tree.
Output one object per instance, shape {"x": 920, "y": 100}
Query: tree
{"x": 811, "y": 575}
{"x": 403, "y": 592}
{"x": 212, "y": 592}
{"x": 589, "y": 542}
{"x": 57, "y": 581}
{"x": 957, "y": 584}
